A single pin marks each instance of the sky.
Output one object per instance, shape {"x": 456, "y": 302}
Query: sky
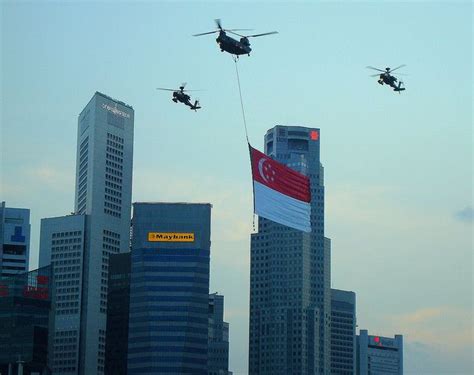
{"x": 398, "y": 168}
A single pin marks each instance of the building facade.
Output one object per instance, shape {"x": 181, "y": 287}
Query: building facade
{"x": 118, "y": 307}
{"x": 103, "y": 201}
{"x": 290, "y": 295}
{"x": 377, "y": 355}
{"x": 26, "y": 312}
{"x": 218, "y": 357}
{"x": 62, "y": 246}
{"x": 169, "y": 291}
{"x": 343, "y": 332}
{"x": 14, "y": 240}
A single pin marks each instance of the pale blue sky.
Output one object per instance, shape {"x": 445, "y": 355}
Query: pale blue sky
{"x": 398, "y": 168}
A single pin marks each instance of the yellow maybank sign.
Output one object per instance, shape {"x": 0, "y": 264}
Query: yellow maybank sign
{"x": 170, "y": 237}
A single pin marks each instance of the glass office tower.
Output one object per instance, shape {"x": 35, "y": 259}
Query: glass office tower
{"x": 169, "y": 289}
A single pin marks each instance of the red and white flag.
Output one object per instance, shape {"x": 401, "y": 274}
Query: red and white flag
{"x": 280, "y": 193}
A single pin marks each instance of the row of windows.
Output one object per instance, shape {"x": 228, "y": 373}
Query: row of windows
{"x": 66, "y": 234}
{"x": 111, "y": 234}
{"x": 109, "y": 177}
{"x": 113, "y": 186}
{"x": 113, "y": 151}
{"x": 112, "y": 213}
{"x": 112, "y": 199}
{"x": 114, "y": 144}
{"x": 66, "y": 252}
{"x": 114, "y": 165}
{"x": 115, "y": 138}
{"x": 113, "y": 171}
{"x": 114, "y": 158}
{"x": 67, "y": 312}
{"x": 113, "y": 192}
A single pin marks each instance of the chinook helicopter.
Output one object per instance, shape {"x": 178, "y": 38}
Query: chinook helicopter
{"x": 179, "y": 95}
{"x": 387, "y": 78}
{"x": 231, "y": 45}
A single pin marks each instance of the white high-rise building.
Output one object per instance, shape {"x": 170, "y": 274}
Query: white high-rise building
{"x": 101, "y": 221}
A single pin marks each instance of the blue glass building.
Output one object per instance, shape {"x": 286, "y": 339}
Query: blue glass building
{"x": 169, "y": 289}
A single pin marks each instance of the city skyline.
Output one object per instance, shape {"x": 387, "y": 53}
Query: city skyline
{"x": 399, "y": 210}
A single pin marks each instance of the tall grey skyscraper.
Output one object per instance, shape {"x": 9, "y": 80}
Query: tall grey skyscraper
{"x": 290, "y": 294}
{"x": 218, "y": 358}
{"x": 100, "y": 227}
{"x": 343, "y": 332}
{"x": 14, "y": 240}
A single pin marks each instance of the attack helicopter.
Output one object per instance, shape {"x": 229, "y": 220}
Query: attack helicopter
{"x": 231, "y": 45}
{"x": 387, "y": 78}
{"x": 179, "y": 95}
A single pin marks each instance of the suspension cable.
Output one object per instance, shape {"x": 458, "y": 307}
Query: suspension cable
{"x": 241, "y": 101}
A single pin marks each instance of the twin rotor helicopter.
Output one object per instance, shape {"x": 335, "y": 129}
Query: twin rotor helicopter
{"x": 242, "y": 47}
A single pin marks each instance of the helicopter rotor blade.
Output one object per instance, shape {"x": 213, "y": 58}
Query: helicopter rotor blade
{"x": 371, "y": 67}
{"x": 209, "y": 32}
{"x": 161, "y": 88}
{"x": 255, "y": 35}
{"x": 237, "y": 29}
{"x": 398, "y": 67}
{"x": 232, "y": 32}
{"x": 375, "y": 75}
{"x": 218, "y": 23}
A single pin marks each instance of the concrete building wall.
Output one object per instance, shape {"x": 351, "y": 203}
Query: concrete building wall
{"x": 103, "y": 199}
{"x": 63, "y": 246}
{"x": 103, "y": 192}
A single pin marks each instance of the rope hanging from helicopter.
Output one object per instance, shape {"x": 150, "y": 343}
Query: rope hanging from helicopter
{"x": 245, "y": 121}
{"x": 241, "y": 101}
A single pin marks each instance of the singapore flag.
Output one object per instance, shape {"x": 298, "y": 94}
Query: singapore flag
{"x": 280, "y": 193}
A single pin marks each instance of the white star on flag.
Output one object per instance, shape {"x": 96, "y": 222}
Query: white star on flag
{"x": 280, "y": 193}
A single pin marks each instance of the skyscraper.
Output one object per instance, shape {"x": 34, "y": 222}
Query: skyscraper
{"x": 102, "y": 208}
{"x": 218, "y": 360}
{"x": 343, "y": 332}
{"x": 169, "y": 290}
{"x": 25, "y": 319}
{"x": 26, "y": 309}
{"x": 14, "y": 240}
{"x": 118, "y": 308}
{"x": 379, "y": 355}
{"x": 290, "y": 300}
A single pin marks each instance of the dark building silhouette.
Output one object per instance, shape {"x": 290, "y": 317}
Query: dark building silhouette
{"x": 218, "y": 360}
{"x": 25, "y": 316}
{"x": 118, "y": 303}
{"x": 343, "y": 332}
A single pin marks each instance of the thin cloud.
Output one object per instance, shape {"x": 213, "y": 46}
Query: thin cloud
{"x": 466, "y": 215}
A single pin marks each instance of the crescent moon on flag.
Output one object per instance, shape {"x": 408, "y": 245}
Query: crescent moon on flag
{"x": 260, "y": 168}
